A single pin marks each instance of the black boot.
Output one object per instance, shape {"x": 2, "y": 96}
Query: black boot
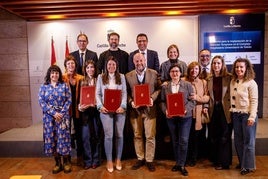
{"x": 58, "y": 166}
{"x": 67, "y": 167}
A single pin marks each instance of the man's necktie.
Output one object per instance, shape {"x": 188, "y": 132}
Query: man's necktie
{"x": 143, "y": 53}
{"x": 203, "y": 74}
{"x": 81, "y": 59}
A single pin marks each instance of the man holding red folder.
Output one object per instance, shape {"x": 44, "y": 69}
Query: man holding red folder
{"x": 143, "y": 118}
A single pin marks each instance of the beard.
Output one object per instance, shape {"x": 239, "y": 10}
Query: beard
{"x": 140, "y": 68}
{"x": 114, "y": 45}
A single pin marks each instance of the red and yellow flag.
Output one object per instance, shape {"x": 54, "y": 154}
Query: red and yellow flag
{"x": 66, "y": 48}
{"x": 53, "y": 55}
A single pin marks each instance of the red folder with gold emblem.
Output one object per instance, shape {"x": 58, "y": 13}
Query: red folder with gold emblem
{"x": 175, "y": 104}
{"x": 87, "y": 95}
{"x": 112, "y": 99}
{"x": 142, "y": 95}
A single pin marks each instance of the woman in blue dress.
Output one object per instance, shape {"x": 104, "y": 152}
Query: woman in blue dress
{"x": 54, "y": 98}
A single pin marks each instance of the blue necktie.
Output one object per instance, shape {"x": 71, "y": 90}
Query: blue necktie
{"x": 81, "y": 59}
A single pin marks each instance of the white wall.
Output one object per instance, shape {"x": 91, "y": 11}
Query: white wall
{"x": 161, "y": 32}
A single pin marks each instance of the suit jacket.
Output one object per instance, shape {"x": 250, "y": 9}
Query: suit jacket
{"x": 151, "y": 78}
{"x": 152, "y": 60}
{"x": 225, "y": 96}
{"x": 187, "y": 89}
{"x": 90, "y": 55}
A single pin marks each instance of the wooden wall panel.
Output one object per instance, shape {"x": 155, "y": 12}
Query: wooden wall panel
{"x": 15, "y": 109}
{"x": 15, "y": 101}
{"x": 19, "y": 122}
{"x": 11, "y": 62}
{"x": 12, "y": 93}
{"x": 14, "y": 77}
{"x": 13, "y": 29}
{"x": 13, "y": 46}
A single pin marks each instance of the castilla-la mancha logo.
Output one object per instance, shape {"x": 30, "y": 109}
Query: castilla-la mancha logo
{"x": 232, "y": 23}
{"x": 232, "y": 20}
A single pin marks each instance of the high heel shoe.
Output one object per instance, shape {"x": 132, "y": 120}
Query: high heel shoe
{"x": 110, "y": 170}
{"x": 118, "y": 165}
{"x": 110, "y": 167}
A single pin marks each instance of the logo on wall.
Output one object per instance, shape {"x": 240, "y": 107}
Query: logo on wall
{"x": 232, "y": 23}
{"x": 105, "y": 45}
{"x": 232, "y": 20}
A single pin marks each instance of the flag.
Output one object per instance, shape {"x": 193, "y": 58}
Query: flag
{"x": 53, "y": 55}
{"x": 66, "y": 48}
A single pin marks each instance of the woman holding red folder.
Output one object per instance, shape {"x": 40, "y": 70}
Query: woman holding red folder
{"x": 113, "y": 122}
{"x": 90, "y": 121}
{"x": 179, "y": 126}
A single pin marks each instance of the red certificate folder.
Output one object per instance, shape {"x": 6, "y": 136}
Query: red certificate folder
{"x": 112, "y": 99}
{"x": 175, "y": 104}
{"x": 142, "y": 95}
{"x": 87, "y": 95}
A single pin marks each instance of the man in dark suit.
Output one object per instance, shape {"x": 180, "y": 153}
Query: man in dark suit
{"x": 151, "y": 56}
{"x": 83, "y": 54}
{"x": 204, "y": 61}
{"x": 143, "y": 118}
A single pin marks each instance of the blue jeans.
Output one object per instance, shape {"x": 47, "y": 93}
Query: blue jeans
{"x": 179, "y": 130}
{"x": 244, "y": 139}
{"x": 91, "y": 142}
{"x": 111, "y": 122}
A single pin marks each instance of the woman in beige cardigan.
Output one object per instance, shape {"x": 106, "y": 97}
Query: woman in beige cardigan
{"x": 200, "y": 96}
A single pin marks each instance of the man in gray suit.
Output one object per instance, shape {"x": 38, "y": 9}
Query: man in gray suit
{"x": 151, "y": 56}
{"x": 83, "y": 54}
{"x": 143, "y": 118}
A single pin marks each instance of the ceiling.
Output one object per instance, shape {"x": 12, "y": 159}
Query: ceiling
{"x": 36, "y": 10}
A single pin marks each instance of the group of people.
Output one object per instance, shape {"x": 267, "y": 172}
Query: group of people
{"x": 216, "y": 103}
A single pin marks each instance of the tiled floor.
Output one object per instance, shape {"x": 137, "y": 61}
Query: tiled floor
{"x": 42, "y": 166}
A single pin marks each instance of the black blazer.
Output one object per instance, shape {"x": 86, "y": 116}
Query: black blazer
{"x": 90, "y": 55}
{"x": 152, "y": 60}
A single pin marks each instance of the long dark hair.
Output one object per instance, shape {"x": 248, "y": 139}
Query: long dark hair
{"x": 53, "y": 68}
{"x": 105, "y": 75}
{"x": 84, "y": 82}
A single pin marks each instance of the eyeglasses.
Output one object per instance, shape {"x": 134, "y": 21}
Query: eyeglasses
{"x": 174, "y": 71}
{"x": 203, "y": 56}
{"x": 140, "y": 41}
{"x": 82, "y": 41}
